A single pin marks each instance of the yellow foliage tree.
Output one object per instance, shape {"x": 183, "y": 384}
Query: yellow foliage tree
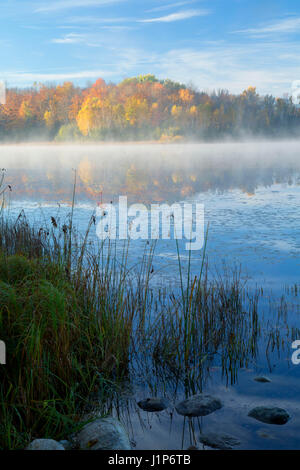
{"x": 49, "y": 118}
{"x": 25, "y": 110}
{"x": 136, "y": 110}
{"x": 87, "y": 116}
{"x": 185, "y": 95}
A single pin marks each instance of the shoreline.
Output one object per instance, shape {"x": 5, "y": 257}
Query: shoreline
{"x": 119, "y": 143}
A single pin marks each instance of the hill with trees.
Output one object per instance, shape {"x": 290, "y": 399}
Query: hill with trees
{"x": 142, "y": 108}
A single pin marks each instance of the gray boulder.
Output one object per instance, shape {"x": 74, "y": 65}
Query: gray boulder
{"x": 269, "y": 415}
{"x": 103, "y": 434}
{"x": 45, "y": 444}
{"x": 153, "y": 404}
{"x": 219, "y": 441}
{"x": 198, "y": 405}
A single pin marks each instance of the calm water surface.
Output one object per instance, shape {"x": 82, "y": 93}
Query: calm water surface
{"x": 251, "y": 195}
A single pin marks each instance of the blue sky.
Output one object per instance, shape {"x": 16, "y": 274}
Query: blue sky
{"x": 213, "y": 44}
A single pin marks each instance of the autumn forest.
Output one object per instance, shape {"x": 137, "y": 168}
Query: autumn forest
{"x": 142, "y": 108}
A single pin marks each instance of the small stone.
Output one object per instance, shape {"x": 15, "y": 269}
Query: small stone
{"x": 269, "y": 415}
{"x": 198, "y": 405}
{"x": 67, "y": 445}
{"x": 219, "y": 441}
{"x": 45, "y": 444}
{"x": 262, "y": 379}
{"x": 153, "y": 404}
{"x": 103, "y": 434}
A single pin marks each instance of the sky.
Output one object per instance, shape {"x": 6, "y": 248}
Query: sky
{"x": 212, "y": 44}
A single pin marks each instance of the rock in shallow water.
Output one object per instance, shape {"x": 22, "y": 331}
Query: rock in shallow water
{"x": 269, "y": 415}
{"x": 198, "y": 405}
{"x": 218, "y": 441}
{"x": 45, "y": 444}
{"x": 103, "y": 434}
{"x": 262, "y": 379}
{"x": 153, "y": 404}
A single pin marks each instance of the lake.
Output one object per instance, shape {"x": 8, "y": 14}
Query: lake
{"x": 251, "y": 197}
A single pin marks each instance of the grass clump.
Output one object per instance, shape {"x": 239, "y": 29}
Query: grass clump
{"x": 76, "y": 323}
{"x": 8, "y": 298}
{"x": 65, "y": 337}
{"x": 14, "y": 269}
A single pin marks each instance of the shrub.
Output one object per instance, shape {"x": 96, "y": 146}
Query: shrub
{"x": 67, "y": 133}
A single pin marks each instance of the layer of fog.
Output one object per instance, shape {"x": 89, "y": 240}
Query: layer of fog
{"x": 147, "y": 172}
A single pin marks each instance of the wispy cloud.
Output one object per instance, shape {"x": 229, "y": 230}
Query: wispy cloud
{"x": 209, "y": 66}
{"x": 181, "y": 15}
{"x": 84, "y": 39}
{"x": 289, "y": 25}
{"x": 211, "y": 59}
{"x": 28, "y": 77}
{"x": 71, "y": 38}
{"x": 96, "y": 20}
{"x": 171, "y": 5}
{"x": 116, "y": 28}
{"x": 233, "y": 66}
{"x": 68, "y": 4}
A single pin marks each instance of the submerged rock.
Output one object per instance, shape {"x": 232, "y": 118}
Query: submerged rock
{"x": 153, "y": 404}
{"x": 269, "y": 415}
{"x": 262, "y": 379}
{"x": 198, "y": 405}
{"x": 219, "y": 441}
{"x": 264, "y": 434}
{"x": 45, "y": 444}
{"x": 103, "y": 434}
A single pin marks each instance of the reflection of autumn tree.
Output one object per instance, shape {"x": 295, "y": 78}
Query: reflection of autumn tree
{"x": 85, "y": 171}
{"x": 88, "y": 176}
{"x": 136, "y": 180}
{"x": 148, "y": 173}
{"x": 177, "y": 178}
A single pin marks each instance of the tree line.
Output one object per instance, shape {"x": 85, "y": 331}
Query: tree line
{"x": 142, "y": 108}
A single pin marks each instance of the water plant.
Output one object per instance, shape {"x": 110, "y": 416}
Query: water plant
{"x": 79, "y": 321}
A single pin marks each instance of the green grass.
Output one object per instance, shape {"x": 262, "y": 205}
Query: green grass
{"x": 76, "y": 322}
{"x": 67, "y": 330}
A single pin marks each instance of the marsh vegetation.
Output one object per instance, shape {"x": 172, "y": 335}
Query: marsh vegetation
{"x": 85, "y": 322}
{"x": 77, "y": 324}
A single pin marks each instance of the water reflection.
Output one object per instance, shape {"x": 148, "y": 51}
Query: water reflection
{"x": 256, "y": 226}
{"x": 147, "y": 173}
{"x": 250, "y": 191}
{"x": 271, "y": 356}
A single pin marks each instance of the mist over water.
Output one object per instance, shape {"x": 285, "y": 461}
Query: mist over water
{"x": 147, "y": 173}
{"x": 250, "y": 190}
{"x": 251, "y": 197}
